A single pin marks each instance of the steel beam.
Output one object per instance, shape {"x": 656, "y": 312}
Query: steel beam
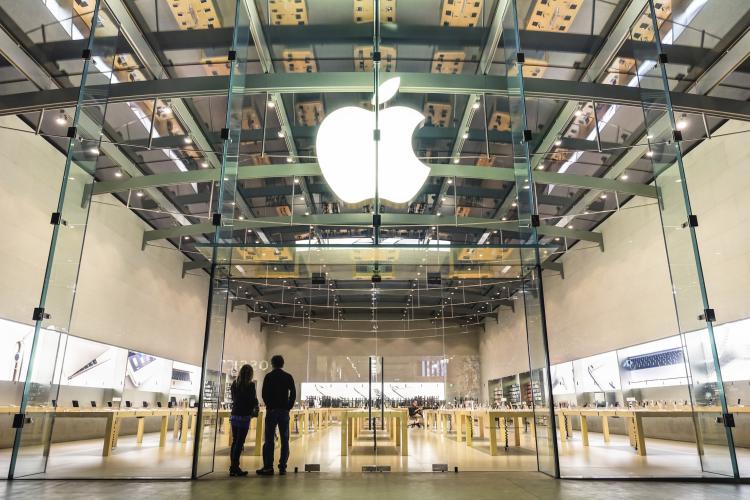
{"x": 358, "y": 82}
{"x": 266, "y": 61}
{"x": 485, "y": 64}
{"x": 313, "y": 170}
{"x": 365, "y": 220}
{"x": 140, "y": 46}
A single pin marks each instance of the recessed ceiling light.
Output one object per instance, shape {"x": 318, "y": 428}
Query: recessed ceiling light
{"x": 466, "y": 135}
{"x": 204, "y": 164}
{"x": 504, "y": 218}
{"x": 475, "y": 105}
{"x": 514, "y": 204}
{"x": 650, "y": 154}
{"x": 186, "y": 237}
{"x": 570, "y": 226}
{"x": 307, "y": 213}
{"x": 603, "y": 196}
{"x": 139, "y": 194}
{"x": 187, "y": 140}
{"x": 289, "y": 159}
{"x": 61, "y": 118}
{"x": 118, "y": 174}
{"x": 624, "y": 177}
{"x": 450, "y": 181}
{"x": 271, "y": 104}
{"x": 455, "y": 160}
{"x": 296, "y": 181}
{"x": 242, "y": 217}
{"x": 281, "y": 134}
{"x": 558, "y": 142}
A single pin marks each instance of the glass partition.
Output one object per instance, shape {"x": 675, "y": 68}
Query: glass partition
{"x": 36, "y": 413}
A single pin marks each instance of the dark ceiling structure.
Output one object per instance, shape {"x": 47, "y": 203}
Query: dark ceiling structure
{"x": 161, "y": 148}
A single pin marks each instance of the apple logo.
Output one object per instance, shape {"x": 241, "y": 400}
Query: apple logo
{"x": 346, "y": 151}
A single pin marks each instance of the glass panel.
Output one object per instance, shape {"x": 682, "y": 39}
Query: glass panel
{"x": 695, "y": 318}
{"x": 528, "y": 221}
{"x": 224, "y": 215}
{"x": 58, "y": 292}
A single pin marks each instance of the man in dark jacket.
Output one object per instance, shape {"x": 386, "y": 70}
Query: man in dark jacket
{"x": 279, "y": 395}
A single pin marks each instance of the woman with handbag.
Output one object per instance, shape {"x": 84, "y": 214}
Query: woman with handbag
{"x": 244, "y": 408}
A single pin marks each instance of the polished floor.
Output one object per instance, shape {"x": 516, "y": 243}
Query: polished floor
{"x": 83, "y": 459}
{"x": 473, "y": 485}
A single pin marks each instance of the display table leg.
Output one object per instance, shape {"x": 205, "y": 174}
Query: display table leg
{"x": 481, "y": 426}
{"x": 493, "y": 437}
{"x": 116, "y": 437}
{"x": 109, "y": 435}
{"x": 562, "y": 426}
{"x": 517, "y": 423}
{"x": 185, "y": 423}
{"x": 163, "y": 430}
{"x": 639, "y": 437}
{"x": 469, "y": 426}
{"x": 344, "y": 437}
{"x": 141, "y": 427}
{"x": 194, "y": 424}
{"x": 605, "y": 428}
{"x": 630, "y": 424}
{"x": 584, "y": 430}
{"x": 259, "y": 424}
{"x": 404, "y": 436}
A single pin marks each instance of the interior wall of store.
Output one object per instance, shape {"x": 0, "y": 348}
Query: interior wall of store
{"x": 127, "y": 296}
{"x": 622, "y": 296}
{"x": 316, "y": 358}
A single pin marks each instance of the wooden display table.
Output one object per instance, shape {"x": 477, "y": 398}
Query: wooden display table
{"x": 633, "y": 421}
{"x": 396, "y": 419}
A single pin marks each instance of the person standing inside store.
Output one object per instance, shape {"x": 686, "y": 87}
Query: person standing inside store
{"x": 244, "y": 408}
{"x": 279, "y": 395}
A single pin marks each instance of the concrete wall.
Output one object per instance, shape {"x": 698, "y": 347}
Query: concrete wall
{"x": 622, "y": 296}
{"x": 334, "y": 358}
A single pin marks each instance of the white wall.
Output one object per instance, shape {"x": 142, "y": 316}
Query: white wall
{"x": 245, "y": 342}
{"x": 502, "y": 345}
{"x": 126, "y": 296}
{"x": 623, "y": 296}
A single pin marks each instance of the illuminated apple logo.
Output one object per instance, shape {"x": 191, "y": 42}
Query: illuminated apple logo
{"x": 346, "y": 151}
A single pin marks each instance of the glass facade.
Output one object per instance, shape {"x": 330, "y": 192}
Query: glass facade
{"x": 481, "y": 322}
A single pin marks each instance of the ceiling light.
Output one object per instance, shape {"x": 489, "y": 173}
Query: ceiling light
{"x": 271, "y": 104}
{"x": 296, "y": 181}
{"x": 504, "y": 218}
{"x": 541, "y": 166}
{"x": 682, "y": 123}
{"x": 187, "y": 140}
{"x": 61, "y": 118}
{"x": 118, "y": 174}
{"x": 442, "y": 199}
{"x": 624, "y": 177}
{"x": 301, "y": 198}
{"x": 578, "y": 112}
{"x": 570, "y": 226}
{"x": 558, "y": 142}
{"x": 650, "y": 154}
{"x": 475, "y": 105}
{"x": 242, "y": 217}
{"x": 450, "y": 181}
{"x": 649, "y": 136}
{"x": 289, "y": 159}
{"x": 94, "y": 151}
{"x": 465, "y": 136}
{"x": 603, "y": 196}
{"x": 166, "y": 110}
{"x": 514, "y": 204}
{"x": 455, "y": 160}
{"x": 186, "y": 238}
{"x": 438, "y": 214}
{"x": 204, "y": 164}
{"x": 139, "y": 194}
{"x": 307, "y": 213}
{"x": 281, "y": 134}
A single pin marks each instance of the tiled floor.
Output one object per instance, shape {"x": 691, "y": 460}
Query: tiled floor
{"x": 615, "y": 459}
{"x": 469, "y": 485}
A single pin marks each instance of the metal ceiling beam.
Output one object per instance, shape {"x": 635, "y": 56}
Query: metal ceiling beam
{"x": 144, "y": 53}
{"x": 365, "y": 220}
{"x": 421, "y": 83}
{"x": 661, "y": 127}
{"x": 11, "y": 49}
{"x": 485, "y": 63}
{"x": 313, "y": 170}
{"x": 266, "y": 61}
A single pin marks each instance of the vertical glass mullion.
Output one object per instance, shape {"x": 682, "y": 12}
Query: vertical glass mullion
{"x": 52, "y": 316}
{"x": 695, "y": 317}
{"x": 223, "y": 217}
{"x": 528, "y": 220}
